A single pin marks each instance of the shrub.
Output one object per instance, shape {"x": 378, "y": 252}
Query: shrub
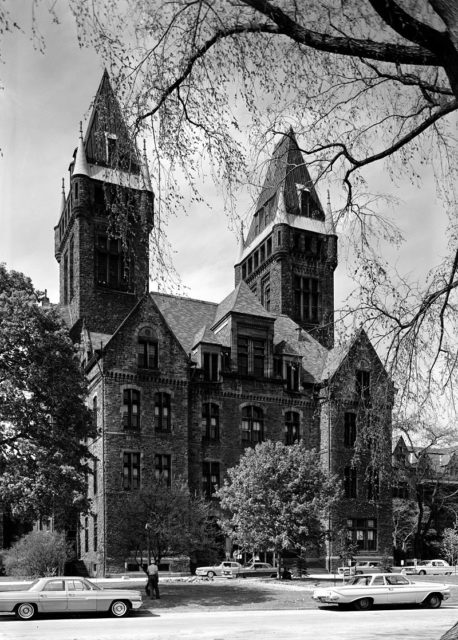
{"x": 37, "y": 554}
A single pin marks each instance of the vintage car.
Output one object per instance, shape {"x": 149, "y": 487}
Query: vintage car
{"x": 429, "y": 567}
{"x": 68, "y": 595}
{"x": 255, "y": 569}
{"x": 368, "y": 566}
{"x": 363, "y": 591}
{"x": 217, "y": 570}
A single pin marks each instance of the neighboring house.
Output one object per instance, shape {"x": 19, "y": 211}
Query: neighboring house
{"x": 428, "y": 476}
{"x": 181, "y": 386}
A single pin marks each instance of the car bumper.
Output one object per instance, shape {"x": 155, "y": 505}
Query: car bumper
{"x": 136, "y": 604}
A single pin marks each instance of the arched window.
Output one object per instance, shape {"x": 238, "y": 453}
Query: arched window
{"x": 162, "y": 411}
{"x": 210, "y": 421}
{"x": 147, "y": 352}
{"x": 252, "y": 424}
{"x": 292, "y": 427}
{"x": 131, "y": 409}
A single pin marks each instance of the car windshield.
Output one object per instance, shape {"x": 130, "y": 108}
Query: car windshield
{"x": 359, "y": 580}
{"x": 91, "y": 585}
{"x": 423, "y": 563}
{"x": 32, "y": 585}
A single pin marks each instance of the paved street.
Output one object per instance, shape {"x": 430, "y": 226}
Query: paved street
{"x": 318, "y": 624}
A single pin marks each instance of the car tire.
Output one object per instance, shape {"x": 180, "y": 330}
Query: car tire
{"x": 364, "y": 604}
{"x": 433, "y": 601}
{"x": 210, "y": 574}
{"x": 119, "y": 608}
{"x": 26, "y": 611}
{"x": 422, "y": 573}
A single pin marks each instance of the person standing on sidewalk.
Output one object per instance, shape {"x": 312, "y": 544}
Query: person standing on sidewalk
{"x": 153, "y": 581}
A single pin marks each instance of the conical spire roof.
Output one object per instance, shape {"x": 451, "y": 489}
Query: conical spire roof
{"x": 80, "y": 167}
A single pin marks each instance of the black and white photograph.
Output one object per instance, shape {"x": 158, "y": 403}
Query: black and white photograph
{"x": 228, "y": 319}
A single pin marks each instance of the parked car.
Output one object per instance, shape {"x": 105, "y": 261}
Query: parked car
{"x": 68, "y": 595}
{"x": 429, "y": 567}
{"x": 368, "y": 566}
{"x": 253, "y": 569}
{"x": 363, "y": 591}
{"x": 217, "y": 570}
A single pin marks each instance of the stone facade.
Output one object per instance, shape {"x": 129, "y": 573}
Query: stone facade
{"x": 182, "y": 386}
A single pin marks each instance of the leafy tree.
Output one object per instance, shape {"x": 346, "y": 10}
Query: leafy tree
{"x": 405, "y": 522}
{"x": 450, "y": 545}
{"x": 43, "y": 417}
{"x": 276, "y": 499}
{"x": 163, "y": 521}
{"x": 37, "y": 554}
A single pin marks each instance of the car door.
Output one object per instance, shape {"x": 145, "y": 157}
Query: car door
{"x": 80, "y": 596}
{"x": 380, "y": 590}
{"x": 53, "y": 596}
{"x": 400, "y": 589}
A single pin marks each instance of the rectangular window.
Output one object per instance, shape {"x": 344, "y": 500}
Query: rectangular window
{"x": 350, "y": 482}
{"x": 162, "y": 411}
{"x": 265, "y": 292}
{"x": 163, "y": 468}
{"x": 131, "y": 470}
{"x": 292, "y": 427}
{"x": 147, "y": 354}
{"x": 71, "y": 269}
{"x": 95, "y": 532}
{"x": 94, "y": 412}
{"x": 95, "y": 479}
{"x": 210, "y": 421}
{"x": 252, "y": 425}
{"x": 210, "y": 362}
{"x": 363, "y": 382}
{"x": 307, "y": 298}
{"x": 363, "y": 533}
{"x": 349, "y": 429}
{"x": 292, "y": 376}
{"x": 268, "y": 247}
{"x": 86, "y": 534}
{"x": 110, "y": 264}
{"x": 131, "y": 409}
{"x": 66, "y": 278}
{"x": 251, "y": 356}
{"x": 210, "y": 478}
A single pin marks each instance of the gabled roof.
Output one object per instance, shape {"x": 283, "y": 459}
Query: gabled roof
{"x": 313, "y": 354}
{"x": 241, "y": 300}
{"x": 185, "y": 316}
{"x": 205, "y": 336}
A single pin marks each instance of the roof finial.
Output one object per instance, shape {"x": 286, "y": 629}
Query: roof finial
{"x": 145, "y": 169}
{"x": 63, "y": 199}
{"x": 63, "y": 186}
{"x": 329, "y": 220}
{"x": 81, "y": 129}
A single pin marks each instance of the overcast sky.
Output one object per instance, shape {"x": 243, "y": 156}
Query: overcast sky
{"x": 47, "y": 94}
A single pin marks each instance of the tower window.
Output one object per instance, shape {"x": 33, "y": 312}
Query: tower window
{"x": 162, "y": 411}
{"x": 210, "y": 421}
{"x": 130, "y": 470}
{"x": 210, "y": 478}
{"x": 131, "y": 409}
{"x": 71, "y": 274}
{"x": 363, "y": 380}
{"x": 349, "y": 429}
{"x": 350, "y": 482}
{"x": 265, "y": 292}
{"x": 252, "y": 424}
{"x": 110, "y": 266}
{"x": 292, "y": 427}
{"x": 163, "y": 468}
{"x": 307, "y": 298}
{"x": 66, "y": 278}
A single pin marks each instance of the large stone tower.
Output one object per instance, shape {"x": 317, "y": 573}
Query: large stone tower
{"x": 101, "y": 240}
{"x": 290, "y": 253}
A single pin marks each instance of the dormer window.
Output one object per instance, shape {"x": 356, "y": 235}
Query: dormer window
{"x": 251, "y": 355}
{"x": 210, "y": 365}
{"x": 111, "y": 142}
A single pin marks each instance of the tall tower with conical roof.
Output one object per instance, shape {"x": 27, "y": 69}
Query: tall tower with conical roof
{"x": 102, "y": 237}
{"x": 290, "y": 253}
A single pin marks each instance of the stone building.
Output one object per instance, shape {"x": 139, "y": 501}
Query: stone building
{"x": 181, "y": 386}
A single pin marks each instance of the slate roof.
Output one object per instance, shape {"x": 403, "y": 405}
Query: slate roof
{"x": 241, "y": 300}
{"x": 185, "y": 316}
{"x": 312, "y": 352}
{"x": 286, "y": 168}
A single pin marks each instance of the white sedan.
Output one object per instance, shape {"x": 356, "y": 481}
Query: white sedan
{"x": 68, "y": 595}
{"x": 363, "y": 592}
{"x": 217, "y": 570}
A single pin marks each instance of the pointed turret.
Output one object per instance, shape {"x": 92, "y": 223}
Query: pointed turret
{"x": 63, "y": 198}
{"x": 80, "y": 168}
{"x": 241, "y": 242}
{"x": 329, "y": 222}
{"x": 145, "y": 169}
